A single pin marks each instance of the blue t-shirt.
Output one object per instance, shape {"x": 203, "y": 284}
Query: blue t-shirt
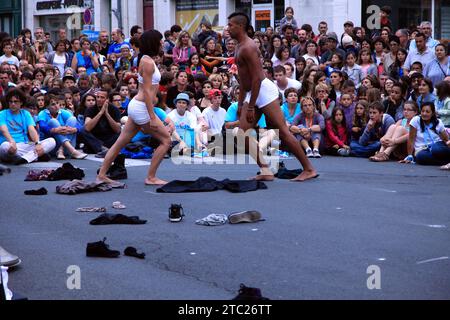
{"x": 285, "y": 109}
{"x": 115, "y": 47}
{"x": 17, "y": 125}
{"x": 232, "y": 116}
{"x": 44, "y": 117}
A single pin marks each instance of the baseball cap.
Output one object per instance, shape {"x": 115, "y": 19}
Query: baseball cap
{"x": 348, "y": 23}
{"x": 347, "y": 40}
{"x": 333, "y": 36}
{"x": 214, "y": 93}
{"x": 181, "y": 96}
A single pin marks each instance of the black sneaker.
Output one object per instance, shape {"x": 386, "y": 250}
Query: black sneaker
{"x": 100, "y": 249}
{"x": 247, "y": 293}
{"x": 176, "y": 213}
{"x": 244, "y": 216}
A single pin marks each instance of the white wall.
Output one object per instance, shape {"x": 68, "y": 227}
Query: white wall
{"x": 164, "y": 14}
{"x": 335, "y": 12}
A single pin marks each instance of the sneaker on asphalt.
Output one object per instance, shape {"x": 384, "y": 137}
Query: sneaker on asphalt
{"x": 309, "y": 153}
{"x": 247, "y": 293}
{"x": 7, "y": 259}
{"x": 244, "y": 217}
{"x": 343, "y": 152}
{"x": 176, "y": 213}
{"x": 100, "y": 249}
{"x": 316, "y": 154}
{"x": 79, "y": 155}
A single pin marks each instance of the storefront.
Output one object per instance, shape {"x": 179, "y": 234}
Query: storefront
{"x": 11, "y": 17}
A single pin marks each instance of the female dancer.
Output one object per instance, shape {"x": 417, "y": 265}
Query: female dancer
{"x": 141, "y": 113}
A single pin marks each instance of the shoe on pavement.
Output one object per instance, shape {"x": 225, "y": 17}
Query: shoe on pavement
{"x": 7, "y": 259}
{"x": 247, "y": 293}
{"x": 343, "y": 152}
{"x": 176, "y": 213}
{"x": 60, "y": 154}
{"x": 244, "y": 217}
{"x": 316, "y": 154}
{"x": 100, "y": 249}
{"x": 309, "y": 153}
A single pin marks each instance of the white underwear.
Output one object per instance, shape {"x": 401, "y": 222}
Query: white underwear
{"x": 137, "y": 111}
{"x": 267, "y": 94}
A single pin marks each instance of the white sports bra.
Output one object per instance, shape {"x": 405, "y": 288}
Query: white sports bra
{"x": 156, "y": 76}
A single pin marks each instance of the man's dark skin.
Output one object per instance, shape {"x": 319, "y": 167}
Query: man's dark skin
{"x": 251, "y": 76}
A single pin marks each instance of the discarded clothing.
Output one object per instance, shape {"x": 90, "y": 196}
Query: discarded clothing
{"x": 206, "y": 184}
{"x": 132, "y": 252}
{"x": 78, "y": 186}
{"x": 39, "y": 192}
{"x": 91, "y": 209}
{"x": 213, "y": 220}
{"x": 285, "y": 173}
{"x": 106, "y": 218}
{"x": 66, "y": 172}
{"x": 245, "y": 217}
{"x": 250, "y": 294}
{"x": 38, "y": 175}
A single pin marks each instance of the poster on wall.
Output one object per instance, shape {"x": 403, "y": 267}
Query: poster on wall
{"x": 190, "y": 14}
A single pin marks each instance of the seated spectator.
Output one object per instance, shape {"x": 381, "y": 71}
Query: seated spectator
{"x": 283, "y": 82}
{"x": 348, "y": 106}
{"x": 443, "y": 104}
{"x": 214, "y": 116}
{"x": 102, "y": 125}
{"x": 376, "y": 128}
{"x": 353, "y": 70}
{"x": 336, "y": 138}
{"x": 393, "y": 105}
{"x": 308, "y": 126}
{"x": 55, "y": 122}
{"x": 8, "y": 56}
{"x": 394, "y": 142}
{"x": 19, "y": 140}
{"x": 324, "y": 104}
{"x": 428, "y": 140}
{"x": 86, "y": 58}
{"x": 185, "y": 124}
{"x": 425, "y": 93}
{"x": 291, "y": 108}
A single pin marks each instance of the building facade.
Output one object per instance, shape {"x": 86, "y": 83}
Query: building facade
{"x": 11, "y": 16}
{"x": 97, "y": 15}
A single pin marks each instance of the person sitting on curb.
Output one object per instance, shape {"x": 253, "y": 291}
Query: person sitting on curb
{"x": 185, "y": 123}
{"x": 308, "y": 126}
{"x": 428, "y": 139}
{"x": 102, "y": 125}
{"x": 376, "y": 128}
{"x": 394, "y": 141}
{"x": 61, "y": 125}
{"x": 19, "y": 140}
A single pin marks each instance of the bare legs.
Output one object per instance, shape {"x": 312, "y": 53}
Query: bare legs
{"x": 128, "y": 132}
{"x": 275, "y": 117}
{"x": 158, "y": 131}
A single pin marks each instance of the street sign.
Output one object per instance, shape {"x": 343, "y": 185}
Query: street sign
{"x": 92, "y": 35}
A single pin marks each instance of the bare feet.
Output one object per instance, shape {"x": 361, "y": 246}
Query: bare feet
{"x": 155, "y": 182}
{"x": 306, "y": 175}
{"x": 105, "y": 179}
{"x": 268, "y": 177}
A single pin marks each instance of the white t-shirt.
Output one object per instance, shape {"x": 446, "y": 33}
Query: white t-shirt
{"x": 214, "y": 119}
{"x": 291, "y": 84}
{"x": 60, "y": 62}
{"x": 187, "y": 120}
{"x": 10, "y": 60}
{"x": 427, "y": 137}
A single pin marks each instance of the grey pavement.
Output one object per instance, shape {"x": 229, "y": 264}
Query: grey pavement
{"x": 318, "y": 240}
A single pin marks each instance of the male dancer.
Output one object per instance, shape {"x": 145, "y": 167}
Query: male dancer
{"x": 256, "y": 90}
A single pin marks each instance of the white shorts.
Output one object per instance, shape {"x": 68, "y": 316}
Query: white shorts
{"x": 137, "y": 111}
{"x": 267, "y": 94}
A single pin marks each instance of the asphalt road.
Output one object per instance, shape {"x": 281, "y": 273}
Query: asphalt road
{"x": 317, "y": 242}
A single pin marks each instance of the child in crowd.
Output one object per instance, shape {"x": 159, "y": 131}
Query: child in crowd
{"x": 195, "y": 66}
{"x": 360, "y": 119}
{"x": 352, "y": 69}
{"x": 348, "y": 106}
{"x": 336, "y": 138}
